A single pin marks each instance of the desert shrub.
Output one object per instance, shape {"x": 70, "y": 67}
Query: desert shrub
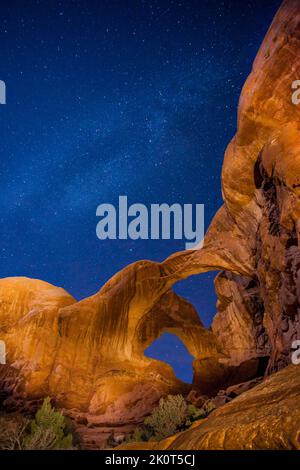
{"x": 12, "y": 429}
{"x": 191, "y": 415}
{"x": 172, "y": 415}
{"x": 167, "y": 417}
{"x": 70, "y": 428}
{"x": 47, "y": 430}
{"x": 142, "y": 433}
{"x": 194, "y": 413}
{"x": 205, "y": 410}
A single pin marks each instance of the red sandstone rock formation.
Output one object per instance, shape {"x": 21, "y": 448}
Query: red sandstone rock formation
{"x": 88, "y": 355}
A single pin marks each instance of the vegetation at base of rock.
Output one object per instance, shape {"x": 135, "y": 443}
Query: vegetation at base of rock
{"x": 47, "y": 431}
{"x": 194, "y": 413}
{"x": 169, "y": 416}
{"x": 12, "y": 431}
{"x": 173, "y": 414}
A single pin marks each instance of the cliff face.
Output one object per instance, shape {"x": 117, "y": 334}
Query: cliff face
{"x": 88, "y": 355}
{"x": 261, "y": 177}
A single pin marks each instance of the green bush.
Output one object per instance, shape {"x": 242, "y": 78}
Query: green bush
{"x": 47, "y": 430}
{"x": 204, "y": 411}
{"x": 167, "y": 417}
{"x": 142, "y": 433}
{"x": 172, "y": 415}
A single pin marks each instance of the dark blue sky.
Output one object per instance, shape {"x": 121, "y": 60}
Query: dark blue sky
{"x": 109, "y": 98}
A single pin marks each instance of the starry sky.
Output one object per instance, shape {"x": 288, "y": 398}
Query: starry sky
{"x": 109, "y": 98}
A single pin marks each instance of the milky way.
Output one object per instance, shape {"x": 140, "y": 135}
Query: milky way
{"x": 109, "y": 98}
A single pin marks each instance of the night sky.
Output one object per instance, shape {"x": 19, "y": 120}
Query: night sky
{"x": 109, "y": 98}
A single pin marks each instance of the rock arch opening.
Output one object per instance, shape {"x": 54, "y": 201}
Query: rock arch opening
{"x": 171, "y": 350}
{"x": 199, "y": 290}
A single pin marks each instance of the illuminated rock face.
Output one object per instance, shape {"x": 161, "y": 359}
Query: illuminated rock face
{"x": 88, "y": 355}
{"x": 267, "y": 417}
{"x": 261, "y": 185}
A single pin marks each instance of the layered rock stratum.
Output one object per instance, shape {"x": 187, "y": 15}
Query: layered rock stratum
{"x": 89, "y": 355}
